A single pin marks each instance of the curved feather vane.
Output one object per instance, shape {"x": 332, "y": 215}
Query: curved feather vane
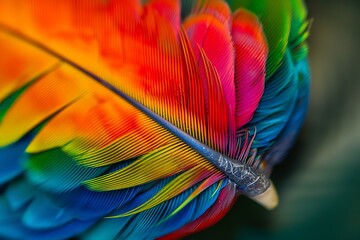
{"x": 128, "y": 120}
{"x": 251, "y": 54}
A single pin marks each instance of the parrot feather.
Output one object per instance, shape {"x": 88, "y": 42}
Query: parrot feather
{"x": 251, "y": 54}
{"x": 276, "y": 18}
{"x": 143, "y": 119}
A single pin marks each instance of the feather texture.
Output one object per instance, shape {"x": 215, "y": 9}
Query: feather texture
{"x": 125, "y": 120}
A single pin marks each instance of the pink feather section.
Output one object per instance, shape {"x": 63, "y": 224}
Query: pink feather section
{"x": 214, "y": 37}
{"x": 250, "y": 62}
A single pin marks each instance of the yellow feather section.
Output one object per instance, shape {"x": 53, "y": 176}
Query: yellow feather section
{"x": 175, "y": 187}
{"x": 160, "y": 163}
{"x": 131, "y": 145}
{"x": 203, "y": 186}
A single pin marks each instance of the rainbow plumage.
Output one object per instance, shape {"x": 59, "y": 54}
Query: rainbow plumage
{"x": 111, "y": 112}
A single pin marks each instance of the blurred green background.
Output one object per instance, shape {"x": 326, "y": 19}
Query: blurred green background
{"x": 319, "y": 181}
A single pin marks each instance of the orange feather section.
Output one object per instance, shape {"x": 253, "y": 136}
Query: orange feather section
{"x": 17, "y": 58}
{"x": 142, "y": 55}
{"x": 40, "y": 101}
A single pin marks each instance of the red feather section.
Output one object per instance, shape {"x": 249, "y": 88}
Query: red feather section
{"x": 221, "y": 132}
{"x": 251, "y": 54}
{"x": 214, "y": 37}
{"x": 169, "y": 9}
{"x": 216, "y": 8}
{"x": 217, "y": 211}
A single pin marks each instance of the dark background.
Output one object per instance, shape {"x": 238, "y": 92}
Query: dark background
{"x": 319, "y": 182}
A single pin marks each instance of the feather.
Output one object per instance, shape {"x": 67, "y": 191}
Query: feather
{"x": 271, "y": 116}
{"x": 287, "y": 136}
{"x": 251, "y": 54}
{"x": 276, "y": 19}
{"x": 128, "y": 120}
{"x": 211, "y": 216}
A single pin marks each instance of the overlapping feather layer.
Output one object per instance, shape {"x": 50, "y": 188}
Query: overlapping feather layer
{"x": 77, "y": 159}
